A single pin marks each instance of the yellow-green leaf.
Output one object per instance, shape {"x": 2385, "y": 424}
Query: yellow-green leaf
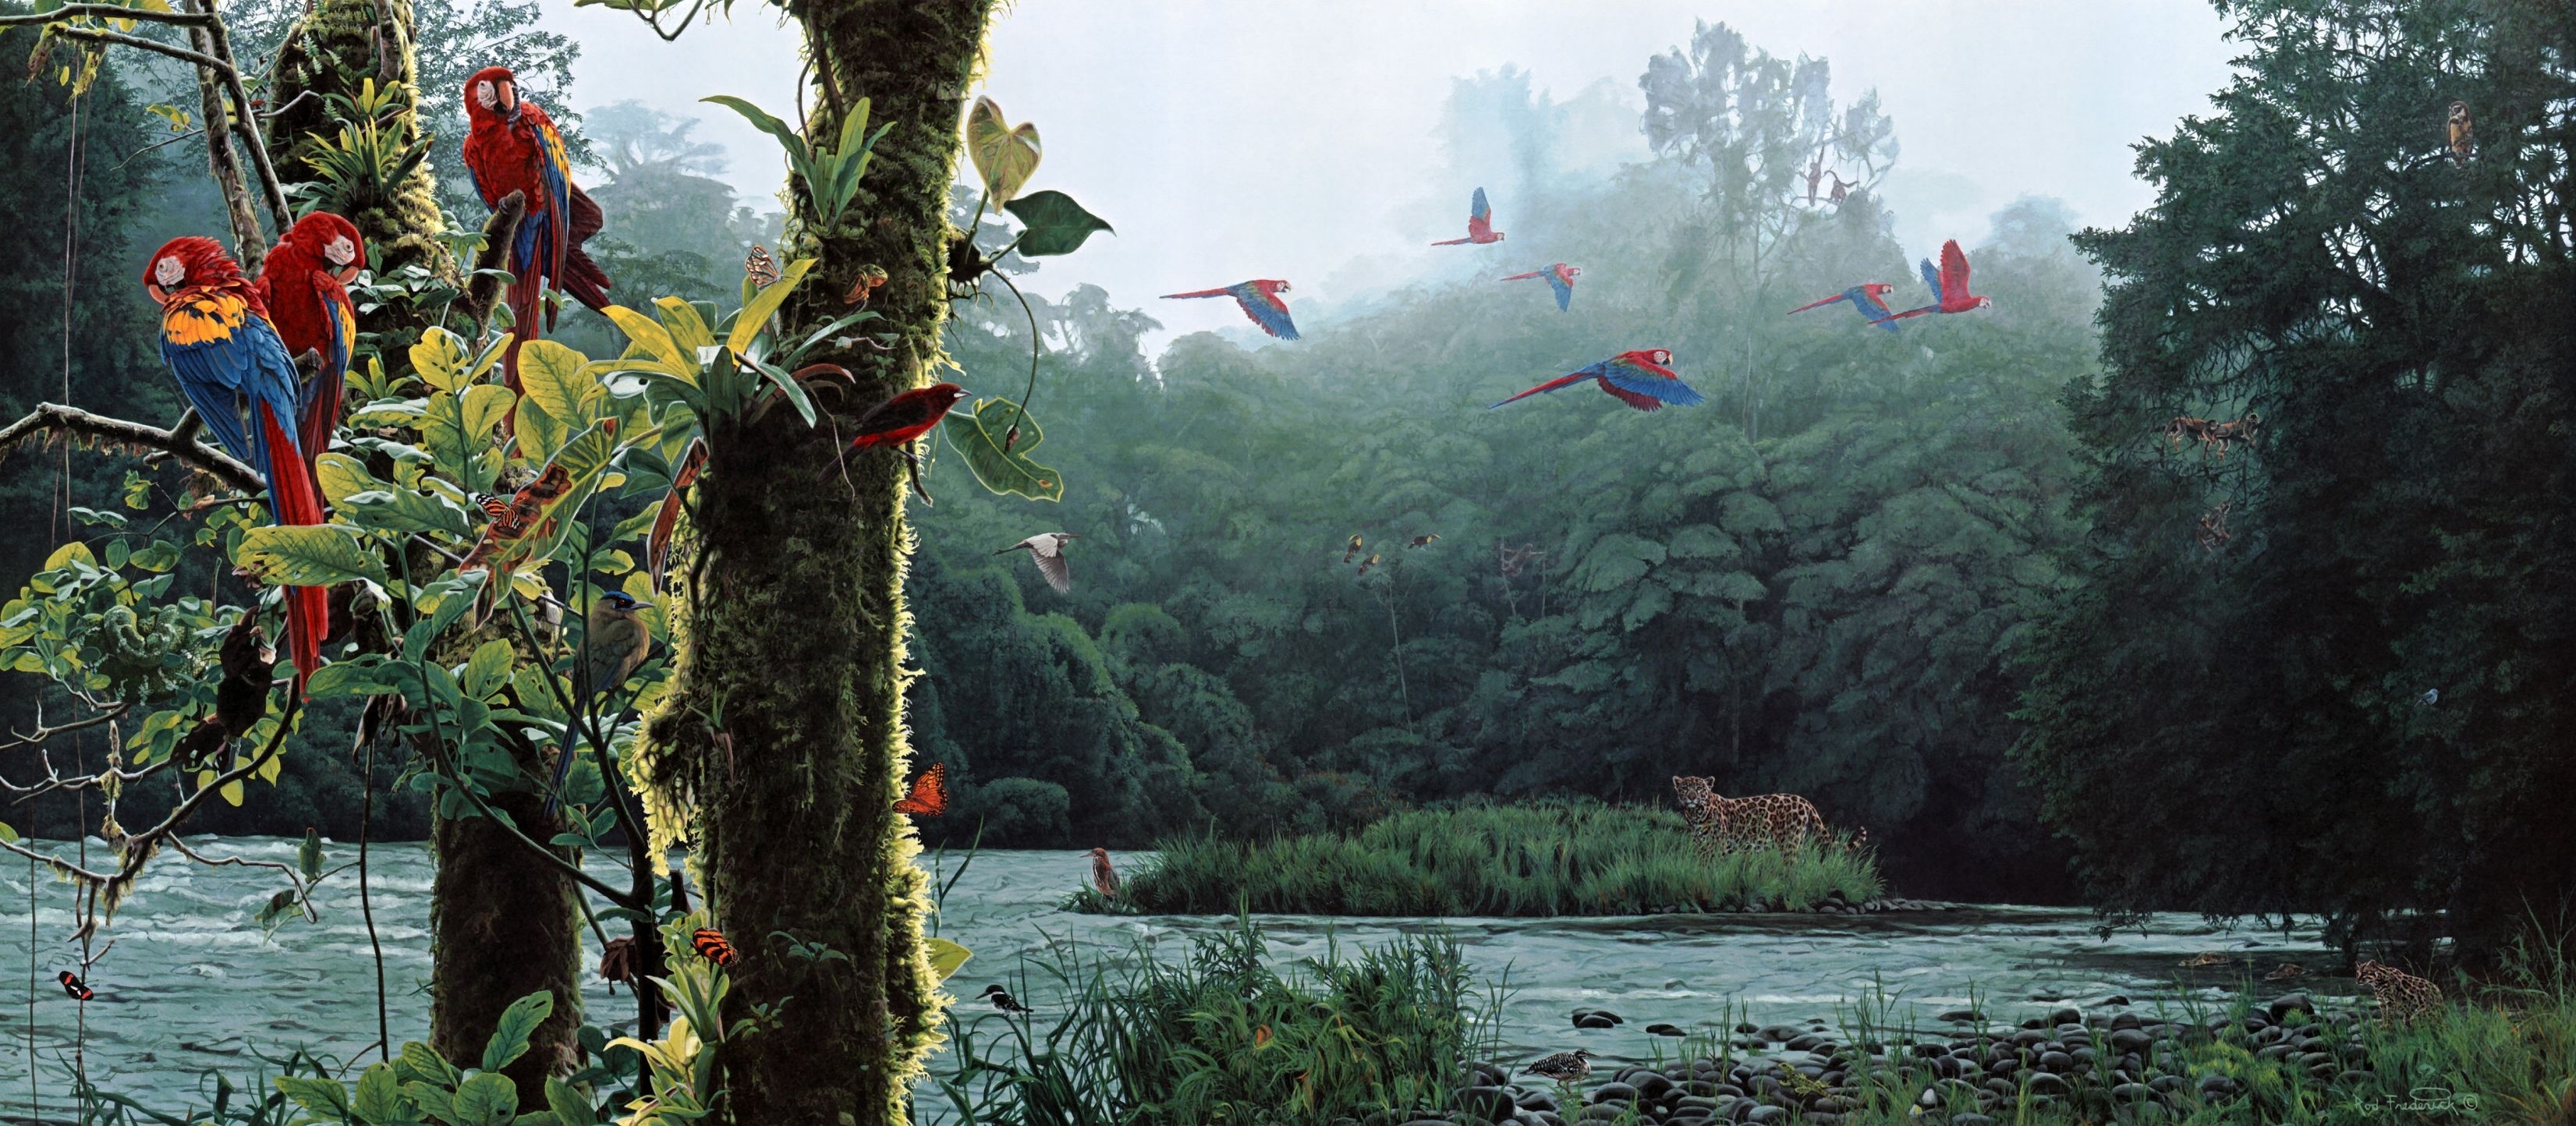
{"x": 232, "y": 792}
{"x": 1004, "y": 157}
{"x": 555, "y": 387}
{"x": 488, "y": 668}
{"x": 269, "y": 769}
{"x": 945, "y": 956}
{"x": 755, "y": 315}
{"x": 8, "y": 834}
{"x": 342, "y": 477}
{"x": 687, "y": 328}
{"x": 63, "y": 556}
{"x": 980, "y": 437}
{"x": 653, "y": 338}
{"x": 440, "y": 359}
{"x": 310, "y": 555}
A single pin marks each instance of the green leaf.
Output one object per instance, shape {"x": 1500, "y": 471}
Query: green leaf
{"x": 945, "y": 956}
{"x": 380, "y": 1101}
{"x": 440, "y": 359}
{"x": 437, "y": 1103}
{"x": 417, "y": 1064}
{"x": 325, "y": 1097}
{"x": 1057, "y": 225}
{"x": 1004, "y": 157}
{"x": 488, "y": 668}
{"x": 486, "y": 1099}
{"x": 310, "y": 555}
{"x": 797, "y": 158}
{"x": 308, "y": 856}
{"x": 687, "y": 328}
{"x": 571, "y": 1107}
{"x": 978, "y": 436}
{"x": 755, "y": 316}
{"x": 458, "y": 427}
{"x": 510, "y": 1036}
{"x": 342, "y": 477}
{"x": 8, "y": 833}
{"x": 669, "y": 358}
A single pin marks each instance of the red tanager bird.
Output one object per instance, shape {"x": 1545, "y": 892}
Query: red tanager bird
{"x": 511, "y": 145}
{"x": 1560, "y": 277}
{"x": 897, "y": 421}
{"x": 218, "y": 341}
{"x": 1949, "y": 286}
{"x": 304, "y": 282}
{"x": 1103, "y": 877}
{"x": 1480, "y": 224}
{"x": 1047, "y": 550}
{"x": 1869, "y": 300}
{"x": 613, "y": 642}
{"x": 1637, "y": 378}
{"x": 1259, "y": 299}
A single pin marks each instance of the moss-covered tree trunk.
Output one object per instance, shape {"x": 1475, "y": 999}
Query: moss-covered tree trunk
{"x": 502, "y": 924}
{"x": 333, "y": 51}
{"x": 795, "y": 638}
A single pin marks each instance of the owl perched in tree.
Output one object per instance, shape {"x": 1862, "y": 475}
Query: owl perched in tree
{"x": 2464, "y": 133}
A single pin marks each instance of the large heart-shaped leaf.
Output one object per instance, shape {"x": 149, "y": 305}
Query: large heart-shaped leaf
{"x": 945, "y": 956}
{"x": 1004, "y": 157}
{"x": 1057, "y": 225}
{"x": 978, "y": 437}
{"x": 554, "y": 384}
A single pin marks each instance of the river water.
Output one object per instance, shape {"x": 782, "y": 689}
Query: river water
{"x": 191, "y": 984}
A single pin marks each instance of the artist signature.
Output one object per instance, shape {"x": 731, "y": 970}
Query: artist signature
{"x": 2423, "y": 1100}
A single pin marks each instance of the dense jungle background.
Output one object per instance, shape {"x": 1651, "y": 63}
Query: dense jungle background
{"x": 1949, "y": 582}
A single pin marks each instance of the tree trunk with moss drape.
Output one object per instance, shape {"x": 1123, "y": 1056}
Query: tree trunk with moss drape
{"x": 796, "y": 636}
{"x": 502, "y": 925}
{"x": 334, "y": 50}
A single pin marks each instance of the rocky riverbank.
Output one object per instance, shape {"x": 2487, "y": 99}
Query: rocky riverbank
{"x": 2065, "y": 1061}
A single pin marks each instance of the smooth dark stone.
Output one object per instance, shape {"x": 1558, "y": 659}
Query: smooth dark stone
{"x": 2288, "y": 1003}
{"x": 1613, "y": 1091}
{"x": 1491, "y": 1102}
{"x": 1665, "y": 1030}
{"x": 2043, "y": 1083}
{"x": 1596, "y": 1021}
{"x": 1963, "y": 1015}
{"x": 2066, "y": 1015}
{"x": 2055, "y": 1061}
{"x": 1763, "y": 1115}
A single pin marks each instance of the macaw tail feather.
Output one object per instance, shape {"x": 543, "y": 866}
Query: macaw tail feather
{"x": 582, "y": 278}
{"x": 321, "y": 416}
{"x": 296, "y": 503}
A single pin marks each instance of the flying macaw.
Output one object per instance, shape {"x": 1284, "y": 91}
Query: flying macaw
{"x": 613, "y": 642}
{"x": 304, "y": 283}
{"x": 897, "y": 421}
{"x": 1480, "y": 224}
{"x": 1260, "y": 301}
{"x": 1639, "y": 379}
{"x": 1560, "y": 277}
{"x": 1949, "y": 286}
{"x": 1869, "y": 300}
{"x": 512, "y": 146}
{"x": 217, "y": 339}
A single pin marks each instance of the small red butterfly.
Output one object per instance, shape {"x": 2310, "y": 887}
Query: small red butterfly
{"x": 929, "y": 797}
{"x": 711, "y": 945}
{"x": 72, "y": 985}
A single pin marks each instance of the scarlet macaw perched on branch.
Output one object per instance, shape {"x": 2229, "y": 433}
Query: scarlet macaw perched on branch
{"x": 304, "y": 283}
{"x": 216, "y": 337}
{"x": 514, "y": 147}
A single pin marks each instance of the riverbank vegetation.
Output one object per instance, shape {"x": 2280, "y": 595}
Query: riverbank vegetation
{"x": 1540, "y": 859}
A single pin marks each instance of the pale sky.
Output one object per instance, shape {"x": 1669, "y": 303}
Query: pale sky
{"x": 1231, "y": 139}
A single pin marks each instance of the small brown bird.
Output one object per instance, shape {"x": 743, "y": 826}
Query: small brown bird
{"x": 1365, "y": 564}
{"x": 1354, "y": 550}
{"x": 1046, "y": 549}
{"x": 2464, "y": 133}
{"x": 1103, "y": 877}
{"x": 1423, "y": 541}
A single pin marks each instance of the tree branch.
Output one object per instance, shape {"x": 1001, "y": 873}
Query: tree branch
{"x": 103, "y": 11}
{"x": 120, "y": 39}
{"x": 55, "y": 418}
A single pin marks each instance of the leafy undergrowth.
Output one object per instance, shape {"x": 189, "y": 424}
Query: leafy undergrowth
{"x": 1540, "y": 859}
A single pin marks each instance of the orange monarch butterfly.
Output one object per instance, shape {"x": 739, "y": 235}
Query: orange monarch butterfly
{"x": 929, "y": 797}
{"x": 711, "y": 945}
{"x": 72, "y": 985}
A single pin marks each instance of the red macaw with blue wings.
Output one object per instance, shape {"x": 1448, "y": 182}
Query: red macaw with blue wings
{"x": 216, "y": 337}
{"x": 1480, "y": 224}
{"x": 1869, "y": 300}
{"x": 1560, "y": 277}
{"x": 1637, "y": 378}
{"x": 1949, "y": 286}
{"x": 304, "y": 284}
{"x": 512, "y": 146}
{"x": 1260, "y": 301}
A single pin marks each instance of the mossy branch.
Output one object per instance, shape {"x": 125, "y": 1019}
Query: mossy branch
{"x": 53, "y": 418}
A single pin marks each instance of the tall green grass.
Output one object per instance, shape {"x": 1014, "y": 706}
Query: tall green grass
{"x": 1221, "y": 1037}
{"x": 1540, "y": 859}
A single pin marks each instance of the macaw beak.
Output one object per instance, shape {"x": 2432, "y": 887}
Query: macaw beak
{"x": 160, "y": 296}
{"x": 346, "y": 274}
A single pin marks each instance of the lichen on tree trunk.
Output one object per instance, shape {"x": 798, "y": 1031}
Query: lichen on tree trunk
{"x": 797, "y": 639}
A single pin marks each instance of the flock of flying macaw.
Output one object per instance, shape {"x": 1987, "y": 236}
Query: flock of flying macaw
{"x": 233, "y": 342}
{"x": 1639, "y": 377}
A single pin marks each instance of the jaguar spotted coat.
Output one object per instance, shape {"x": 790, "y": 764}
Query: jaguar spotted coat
{"x": 1723, "y": 824}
